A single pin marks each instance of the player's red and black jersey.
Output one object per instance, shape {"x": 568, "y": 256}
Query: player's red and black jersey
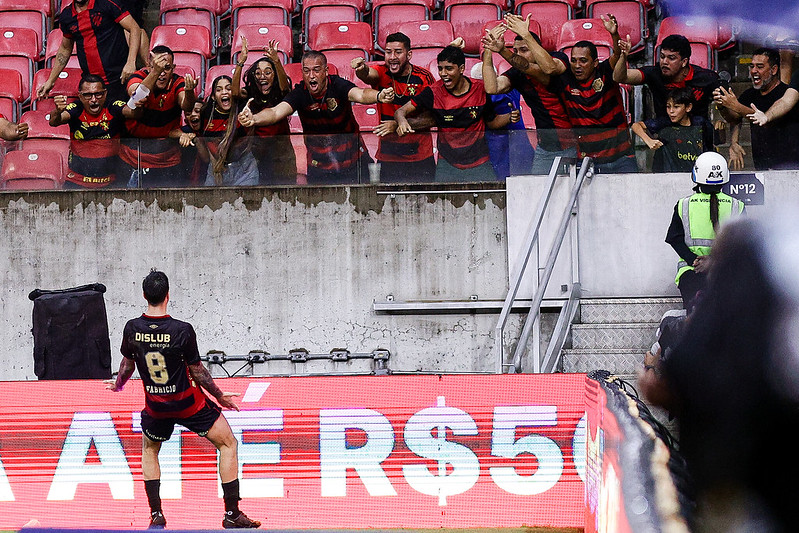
{"x": 95, "y": 143}
{"x": 332, "y": 135}
{"x": 412, "y": 147}
{"x": 163, "y": 347}
{"x": 100, "y": 41}
{"x": 552, "y": 124}
{"x": 460, "y": 121}
{"x": 597, "y": 114}
{"x": 701, "y": 81}
{"x": 160, "y": 115}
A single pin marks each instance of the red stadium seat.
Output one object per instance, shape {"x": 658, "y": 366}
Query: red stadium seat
{"x": 340, "y": 59}
{"x": 33, "y": 169}
{"x": 387, "y": 15}
{"x": 39, "y": 126}
{"x": 51, "y": 49}
{"x": 18, "y": 49}
{"x": 630, "y": 16}
{"x": 191, "y": 45}
{"x": 706, "y": 35}
{"x": 585, "y": 30}
{"x": 11, "y": 94}
{"x": 428, "y": 38}
{"x": 262, "y": 12}
{"x": 315, "y": 12}
{"x": 220, "y": 70}
{"x": 213, "y": 9}
{"x": 468, "y": 17}
{"x": 550, "y": 15}
{"x": 342, "y": 36}
{"x": 31, "y": 14}
{"x": 366, "y": 115}
{"x": 10, "y": 110}
{"x": 258, "y": 37}
{"x": 66, "y": 83}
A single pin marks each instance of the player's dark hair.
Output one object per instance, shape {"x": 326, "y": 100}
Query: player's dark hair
{"x": 681, "y": 96}
{"x": 162, "y": 49}
{"x": 677, "y": 43}
{"x": 771, "y": 54}
{"x": 155, "y": 287}
{"x": 90, "y": 78}
{"x": 314, "y": 54}
{"x": 452, "y": 54}
{"x": 591, "y": 48}
{"x": 399, "y": 37}
{"x": 535, "y": 36}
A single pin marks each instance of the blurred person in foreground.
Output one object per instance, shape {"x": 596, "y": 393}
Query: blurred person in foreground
{"x": 164, "y": 350}
{"x": 696, "y": 220}
{"x": 733, "y": 383}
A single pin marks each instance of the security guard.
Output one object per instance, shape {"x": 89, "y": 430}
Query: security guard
{"x": 696, "y": 220}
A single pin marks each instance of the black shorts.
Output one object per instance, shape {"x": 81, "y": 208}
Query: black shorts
{"x": 160, "y": 429}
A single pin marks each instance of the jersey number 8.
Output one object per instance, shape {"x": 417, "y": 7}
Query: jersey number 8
{"x": 156, "y": 365}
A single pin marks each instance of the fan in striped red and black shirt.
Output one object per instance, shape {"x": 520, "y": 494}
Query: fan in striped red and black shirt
{"x": 409, "y": 157}
{"x": 594, "y": 104}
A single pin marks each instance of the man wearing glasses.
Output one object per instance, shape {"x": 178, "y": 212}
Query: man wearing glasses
{"x": 95, "y": 127}
{"x": 332, "y": 137}
{"x": 153, "y": 160}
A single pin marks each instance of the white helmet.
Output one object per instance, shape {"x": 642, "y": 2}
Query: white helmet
{"x": 710, "y": 169}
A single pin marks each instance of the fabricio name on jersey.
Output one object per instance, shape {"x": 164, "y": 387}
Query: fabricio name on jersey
{"x": 169, "y": 389}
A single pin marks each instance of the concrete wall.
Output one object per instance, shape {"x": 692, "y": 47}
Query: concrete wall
{"x": 266, "y": 269}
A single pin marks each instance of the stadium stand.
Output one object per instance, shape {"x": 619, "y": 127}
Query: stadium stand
{"x": 66, "y": 83}
{"x": 585, "y": 29}
{"x": 262, "y": 12}
{"x": 315, "y": 12}
{"x": 52, "y": 45}
{"x": 32, "y": 14}
{"x": 205, "y": 13}
{"x": 630, "y": 15}
{"x": 19, "y": 51}
{"x": 468, "y": 17}
{"x": 428, "y": 38}
{"x": 551, "y": 15}
{"x": 387, "y": 15}
{"x": 191, "y": 45}
{"x": 341, "y": 42}
{"x": 258, "y": 37}
{"x": 11, "y": 96}
{"x": 707, "y": 37}
{"x": 42, "y": 136}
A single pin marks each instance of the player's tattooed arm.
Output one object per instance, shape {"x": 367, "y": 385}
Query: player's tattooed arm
{"x": 203, "y": 378}
{"x": 126, "y": 368}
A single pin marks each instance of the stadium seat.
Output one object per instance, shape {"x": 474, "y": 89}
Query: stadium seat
{"x": 262, "y": 12}
{"x": 388, "y": 14}
{"x": 428, "y": 38}
{"x": 366, "y": 115}
{"x": 66, "y": 83}
{"x": 191, "y": 45}
{"x": 258, "y": 37}
{"x": 42, "y": 136}
{"x": 630, "y": 16}
{"x": 550, "y": 15}
{"x": 220, "y": 70}
{"x": 27, "y": 169}
{"x": 51, "y": 49}
{"x": 468, "y": 17}
{"x": 18, "y": 49}
{"x": 11, "y": 94}
{"x": 585, "y": 30}
{"x": 341, "y": 42}
{"x": 206, "y": 13}
{"x": 315, "y": 12}
{"x": 31, "y": 14}
{"x": 294, "y": 71}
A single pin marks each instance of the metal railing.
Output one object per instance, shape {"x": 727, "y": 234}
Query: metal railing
{"x": 530, "y": 243}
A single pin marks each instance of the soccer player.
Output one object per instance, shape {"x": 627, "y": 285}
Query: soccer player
{"x": 408, "y": 158}
{"x": 165, "y": 352}
{"x": 96, "y": 28}
{"x": 324, "y": 104}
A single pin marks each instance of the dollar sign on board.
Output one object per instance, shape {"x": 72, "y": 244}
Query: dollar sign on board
{"x": 419, "y": 437}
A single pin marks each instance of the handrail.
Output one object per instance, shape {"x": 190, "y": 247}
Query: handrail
{"x": 531, "y": 238}
{"x": 586, "y": 170}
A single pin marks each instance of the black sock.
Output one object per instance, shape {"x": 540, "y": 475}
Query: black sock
{"x": 153, "y": 489}
{"x": 230, "y": 492}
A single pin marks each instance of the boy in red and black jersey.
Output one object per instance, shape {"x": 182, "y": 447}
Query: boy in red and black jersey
{"x": 153, "y": 156}
{"x": 164, "y": 351}
{"x": 410, "y": 157}
{"x": 336, "y": 153}
{"x": 97, "y": 29}
{"x": 461, "y": 110}
{"x": 95, "y": 127}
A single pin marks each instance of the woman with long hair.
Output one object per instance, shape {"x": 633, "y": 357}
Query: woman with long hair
{"x": 223, "y": 141}
{"x": 265, "y": 85}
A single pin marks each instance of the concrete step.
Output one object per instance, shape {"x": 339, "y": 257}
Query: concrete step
{"x": 633, "y": 335}
{"x": 620, "y": 361}
{"x": 625, "y": 310}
